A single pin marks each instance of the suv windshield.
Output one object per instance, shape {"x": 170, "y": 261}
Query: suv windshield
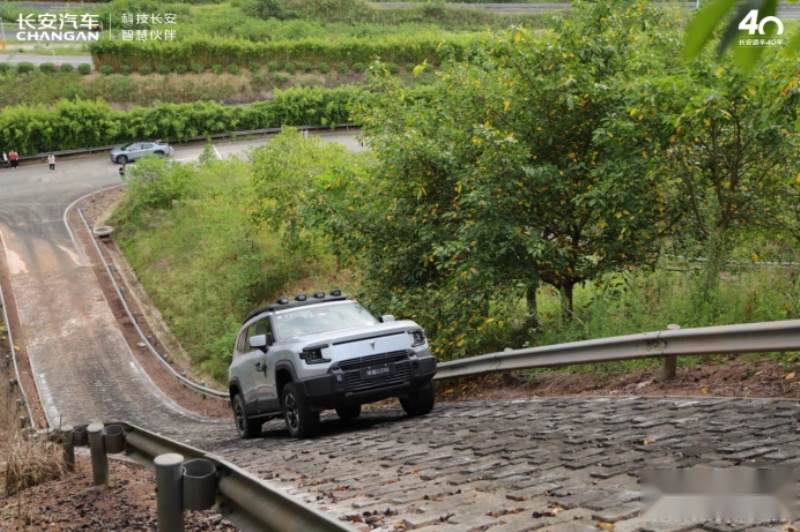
{"x": 315, "y": 319}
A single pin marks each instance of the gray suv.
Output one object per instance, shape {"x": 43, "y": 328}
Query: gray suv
{"x": 135, "y": 150}
{"x": 296, "y": 358}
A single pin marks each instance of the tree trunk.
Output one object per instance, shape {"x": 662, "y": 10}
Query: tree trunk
{"x": 568, "y": 295}
{"x": 532, "y": 319}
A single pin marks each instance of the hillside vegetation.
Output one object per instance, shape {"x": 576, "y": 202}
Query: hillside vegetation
{"x": 549, "y": 188}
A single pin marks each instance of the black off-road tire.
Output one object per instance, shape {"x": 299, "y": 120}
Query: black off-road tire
{"x": 300, "y": 421}
{"x": 418, "y": 402}
{"x": 346, "y": 413}
{"x": 247, "y": 428}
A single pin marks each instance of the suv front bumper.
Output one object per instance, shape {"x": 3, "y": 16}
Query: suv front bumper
{"x": 340, "y": 388}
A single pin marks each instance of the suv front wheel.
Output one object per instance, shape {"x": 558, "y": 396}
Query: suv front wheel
{"x": 301, "y": 422}
{"x": 418, "y": 402}
{"x": 247, "y": 428}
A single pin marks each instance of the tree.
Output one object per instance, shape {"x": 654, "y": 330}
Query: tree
{"x": 507, "y": 178}
{"x": 729, "y": 148}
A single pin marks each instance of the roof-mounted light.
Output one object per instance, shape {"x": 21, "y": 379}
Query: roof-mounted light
{"x": 319, "y": 295}
{"x": 336, "y": 293}
{"x": 300, "y": 297}
{"x": 283, "y": 301}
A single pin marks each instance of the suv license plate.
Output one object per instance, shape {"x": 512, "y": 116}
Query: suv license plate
{"x": 377, "y": 372}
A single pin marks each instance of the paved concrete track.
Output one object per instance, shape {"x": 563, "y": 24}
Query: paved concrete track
{"x": 554, "y": 464}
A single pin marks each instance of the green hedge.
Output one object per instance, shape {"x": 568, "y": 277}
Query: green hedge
{"x": 83, "y": 124}
{"x": 207, "y": 52}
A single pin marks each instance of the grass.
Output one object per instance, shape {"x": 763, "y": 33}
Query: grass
{"x": 134, "y": 89}
{"x": 204, "y": 264}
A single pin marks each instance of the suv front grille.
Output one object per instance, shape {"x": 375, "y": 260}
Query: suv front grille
{"x": 352, "y": 371}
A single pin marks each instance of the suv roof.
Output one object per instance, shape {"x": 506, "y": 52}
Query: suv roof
{"x": 300, "y": 300}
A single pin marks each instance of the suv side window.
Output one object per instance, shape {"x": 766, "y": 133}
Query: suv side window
{"x": 260, "y": 327}
{"x": 240, "y": 343}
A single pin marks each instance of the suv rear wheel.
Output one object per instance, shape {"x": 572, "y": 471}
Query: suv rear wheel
{"x": 301, "y": 422}
{"x": 247, "y": 428}
{"x": 418, "y": 402}
{"x": 348, "y": 412}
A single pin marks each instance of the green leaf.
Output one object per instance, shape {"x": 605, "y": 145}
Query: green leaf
{"x": 701, "y": 28}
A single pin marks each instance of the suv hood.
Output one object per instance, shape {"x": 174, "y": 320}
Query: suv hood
{"x": 385, "y": 336}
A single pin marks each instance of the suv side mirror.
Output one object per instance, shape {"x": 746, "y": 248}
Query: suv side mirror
{"x": 258, "y": 341}
{"x": 387, "y": 318}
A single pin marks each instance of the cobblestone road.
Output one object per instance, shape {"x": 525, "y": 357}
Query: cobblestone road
{"x": 515, "y": 465}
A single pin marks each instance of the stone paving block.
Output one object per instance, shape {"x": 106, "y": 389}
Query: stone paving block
{"x": 618, "y": 513}
{"x": 532, "y": 491}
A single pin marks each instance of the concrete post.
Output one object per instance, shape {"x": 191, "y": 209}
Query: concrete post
{"x": 98, "y": 452}
{"x": 169, "y": 492}
{"x": 671, "y": 361}
{"x": 68, "y": 448}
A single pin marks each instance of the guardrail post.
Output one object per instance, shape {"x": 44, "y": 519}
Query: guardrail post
{"x": 671, "y": 361}
{"x": 68, "y": 448}
{"x": 98, "y": 452}
{"x": 169, "y": 492}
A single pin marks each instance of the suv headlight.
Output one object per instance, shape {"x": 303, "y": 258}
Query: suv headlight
{"x": 313, "y": 355}
{"x": 418, "y": 336}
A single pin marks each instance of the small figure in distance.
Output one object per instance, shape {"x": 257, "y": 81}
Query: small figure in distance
{"x": 5, "y": 160}
{"x": 122, "y": 172}
{"x": 51, "y": 160}
{"x": 14, "y": 159}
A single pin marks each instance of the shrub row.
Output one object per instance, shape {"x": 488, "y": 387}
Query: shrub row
{"x": 25, "y": 67}
{"x": 208, "y": 52}
{"x": 272, "y": 66}
{"x": 83, "y": 124}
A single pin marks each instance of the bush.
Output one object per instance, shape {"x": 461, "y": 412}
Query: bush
{"x": 393, "y": 68}
{"x": 30, "y": 462}
{"x": 323, "y": 68}
{"x": 306, "y": 67}
{"x": 25, "y": 67}
{"x": 85, "y": 69}
{"x": 163, "y": 70}
{"x": 253, "y": 67}
{"x": 280, "y": 79}
{"x": 273, "y": 66}
{"x": 74, "y": 91}
{"x": 216, "y": 69}
{"x": 106, "y": 70}
{"x": 359, "y": 68}
{"x": 233, "y": 68}
{"x": 197, "y": 68}
{"x": 66, "y": 68}
{"x": 5, "y": 68}
{"x": 47, "y": 68}
{"x": 289, "y": 67}
{"x": 145, "y": 70}
{"x": 124, "y": 70}
{"x": 342, "y": 68}
{"x": 263, "y": 9}
{"x": 400, "y": 49}
{"x": 410, "y": 68}
{"x": 180, "y": 69}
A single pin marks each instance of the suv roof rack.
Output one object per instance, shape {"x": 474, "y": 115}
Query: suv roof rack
{"x": 299, "y": 301}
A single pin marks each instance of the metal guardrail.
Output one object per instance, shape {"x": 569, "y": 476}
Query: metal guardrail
{"x": 189, "y": 478}
{"x": 13, "y": 356}
{"x": 109, "y": 268}
{"x": 765, "y": 337}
